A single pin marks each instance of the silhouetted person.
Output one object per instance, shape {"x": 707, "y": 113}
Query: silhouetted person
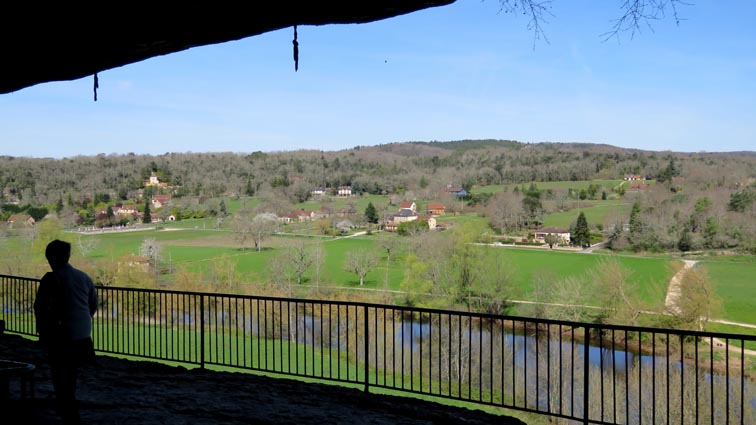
{"x": 65, "y": 303}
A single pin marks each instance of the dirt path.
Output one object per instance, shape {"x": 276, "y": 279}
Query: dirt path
{"x": 675, "y": 284}
{"x": 673, "y": 294}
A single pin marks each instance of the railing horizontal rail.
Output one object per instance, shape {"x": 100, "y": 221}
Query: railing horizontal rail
{"x": 592, "y": 373}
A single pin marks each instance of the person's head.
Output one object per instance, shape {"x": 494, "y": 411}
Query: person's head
{"x": 58, "y": 252}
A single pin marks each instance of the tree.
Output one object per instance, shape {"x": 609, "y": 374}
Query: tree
{"x": 551, "y": 239}
{"x": 635, "y": 225}
{"x": 581, "y": 237}
{"x": 110, "y": 214}
{"x": 360, "y": 262}
{"x": 686, "y": 242}
{"x": 389, "y": 245}
{"x": 300, "y": 258}
{"x": 697, "y": 302}
{"x": 412, "y": 228}
{"x": 371, "y": 214}
{"x": 261, "y": 227}
{"x": 147, "y": 217}
{"x": 152, "y": 249}
{"x": 617, "y": 294}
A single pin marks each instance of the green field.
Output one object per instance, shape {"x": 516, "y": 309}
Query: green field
{"x": 735, "y": 284}
{"x": 596, "y": 212}
{"x": 649, "y": 275}
{"x": 556, "y": 186}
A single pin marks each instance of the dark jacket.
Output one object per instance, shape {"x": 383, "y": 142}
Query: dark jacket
{"x": 65, "y": 303}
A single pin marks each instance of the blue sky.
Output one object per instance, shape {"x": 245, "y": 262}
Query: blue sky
{"x": 462, "y": 71}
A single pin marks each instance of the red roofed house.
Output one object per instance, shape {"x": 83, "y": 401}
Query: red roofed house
{"x": 159, "y": 200}
{"x": 408, "y": 206}
{"x": 435, "y": 208}
{"x": 303, "y": 215}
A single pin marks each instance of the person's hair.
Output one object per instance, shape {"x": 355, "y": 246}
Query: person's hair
{"x": 57, "y": 253}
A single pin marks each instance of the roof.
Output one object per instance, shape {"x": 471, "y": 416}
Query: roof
{"x": 552, "y": 230}
{"x": 68, "y": 40}
{"x": 406, "y": 205}
{"x": 19, "y": 217}
{"x": 435, "y": 206}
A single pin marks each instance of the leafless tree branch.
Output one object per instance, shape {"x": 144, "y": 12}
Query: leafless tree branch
{"x": 635, "y": 14}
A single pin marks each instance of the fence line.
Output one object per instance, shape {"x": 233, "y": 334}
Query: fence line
{"x": 573, "y": 371}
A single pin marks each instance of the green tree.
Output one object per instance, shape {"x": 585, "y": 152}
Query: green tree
{"x": 371, "y": 214}
{"x": 710, "y": 232}
{"x": 582, "y": 236}
{"x": 110, "y": 214}
{"x": 223, "y": 210}
{"x": 412, "y": 228}
{"x": 685, "y": 243}
{"x": 147, "y": 217}
{"x": 742, "y": 200}
{"x": 636, "y": 227}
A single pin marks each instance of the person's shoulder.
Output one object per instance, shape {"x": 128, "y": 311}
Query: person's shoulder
{"x": 80, "y": 273}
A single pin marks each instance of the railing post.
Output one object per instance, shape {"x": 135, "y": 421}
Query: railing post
{"x": 586, "y": 373}
{"x": 367, "y": 349}
{"x": 202, "y": 331}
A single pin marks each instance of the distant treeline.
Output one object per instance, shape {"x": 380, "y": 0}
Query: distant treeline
{"x": 383, "y": 169}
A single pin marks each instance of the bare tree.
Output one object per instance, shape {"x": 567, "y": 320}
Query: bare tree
{"x": 86, "y": 244}
{"x": 360, "y": 262}
{"x": 300, "y": 258}
{"x": 618, "y": 294}
{"x": 256, "y": 229}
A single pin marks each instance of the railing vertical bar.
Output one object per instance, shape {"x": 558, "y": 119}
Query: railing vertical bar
{"x": 696, "y": 373}
{"x": 322, "y": 351}
{"x": 742, "y": 381}
{"x": 653, "y": 379}
{"x": 412, "y": 353}
{"x": 601, "y": 372}
{"x": 330, "y": 340}
{"x": 668, "y": 372}
{"x": 401, "y": 346}
{"x": 459, "y": 373}
{"x": 346, "y": 333}
{"x": 490, "y": 361}
{"x": 514, "y": 365}
{"x": 525, "y": 361}
{"x": 366, "y": 362}
{"x": 202, "y": 330}
{"x": 682, "y": 379}
{"x": 614, "y": 377}
{"x": 469, "y": 356}
{"x": 711, "y": 369}
{"x": 572, "y": 371}
{"x": 640, "y": 380}
{"x": 586, "y": 375}
{"x": 548, "y": 367}
{"x": 537, "y": 367}
{"x": 627, "y": 383}
{"x": 244, "y": 333}
{"x": 727, "y": 380}
{"x": 450, "y": 355}
{"x": 501, "y": 350}
{"x": 561, "y": 376}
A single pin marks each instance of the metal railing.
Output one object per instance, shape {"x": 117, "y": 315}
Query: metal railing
{"x": 576, "y": 371}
